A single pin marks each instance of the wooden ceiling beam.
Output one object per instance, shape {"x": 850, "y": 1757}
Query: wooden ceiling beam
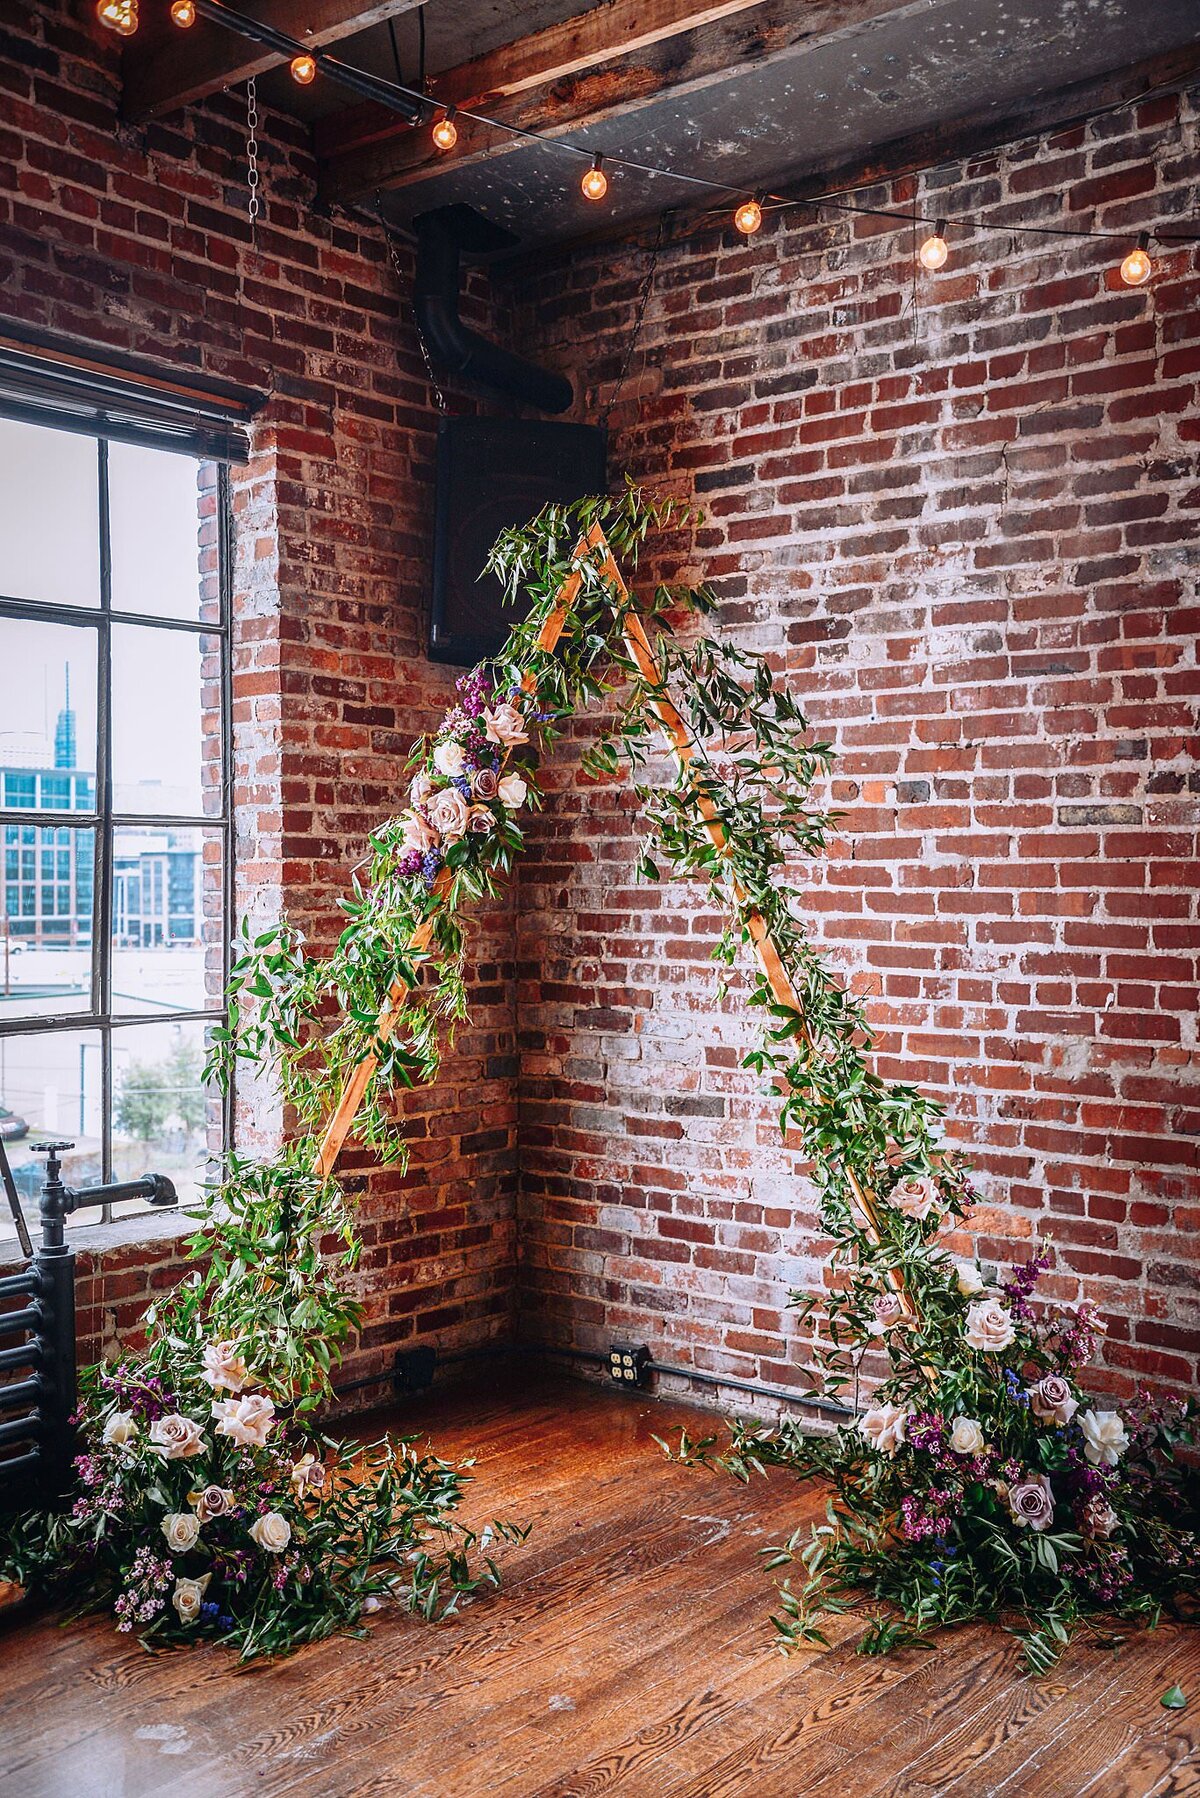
{"x": 607, "y": 84}
{"x": 589, "y": 39}
{"x": 186, "y": 66}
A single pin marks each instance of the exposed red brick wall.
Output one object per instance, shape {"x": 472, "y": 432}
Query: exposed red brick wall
{"x": 139, "y": 240}
{"x": 959, "y": 514}
{"x": 960, "y": 511}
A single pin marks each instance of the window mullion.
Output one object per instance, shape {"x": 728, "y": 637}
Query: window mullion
{"x": 102, "y": 894}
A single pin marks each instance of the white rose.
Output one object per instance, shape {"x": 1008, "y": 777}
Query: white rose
{"x": 448, "y": 759}
{"x": 120, "y": 1429}
{"x": 417, "y": 833}
{"x": 989, "y": 1326}
{"x": 448, "y": 813}
{"x": 966, "y": 1438}
{"x": 1104, "y": 1437}
{"x": 504, "y": 724}
{"x": 970, "y": 1280}
{"x": 223, "y": 1366}
{"x": 271, "y": 1532}
{"x": 177, "y": 1438}
{"x": 883, "y": 1426}
{"x": 247, "y": 1421}
{"x": 916, "y": 1196}
{"x": 182, "y": 1530}
{"x": 188, "y": 1596}
{"x": 513, "y": 792}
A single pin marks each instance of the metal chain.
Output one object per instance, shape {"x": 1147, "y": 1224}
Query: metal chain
{"x": 252, "y": 203}
{"x": 393, "y": 249}
{"x": 635, "y": 334}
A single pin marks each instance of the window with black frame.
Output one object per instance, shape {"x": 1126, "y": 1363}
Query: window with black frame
{"x": 114, "y": 803}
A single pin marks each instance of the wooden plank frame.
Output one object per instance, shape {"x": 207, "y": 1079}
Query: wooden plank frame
{"x": 678, "y": 741}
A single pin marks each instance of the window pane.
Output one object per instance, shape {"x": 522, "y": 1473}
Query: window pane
{"x": 49, "y": 515}
{"x": 158, "y": 728}
{"x": 47, "y": 716}
{"x": 154, "y": 505}
{"x": 163, "y": 1119}
{"x": 50, "y": 1086}
{"x": 166, "y": 920}
{"x": 46, "y": 887}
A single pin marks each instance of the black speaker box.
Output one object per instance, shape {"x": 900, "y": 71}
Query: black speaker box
{"x": 493, "y": 474}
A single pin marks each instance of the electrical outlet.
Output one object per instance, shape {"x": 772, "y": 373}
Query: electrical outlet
{"x": 628, "y": 1363}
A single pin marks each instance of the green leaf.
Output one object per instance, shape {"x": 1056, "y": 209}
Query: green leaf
{"x": 1174, "y": 1699}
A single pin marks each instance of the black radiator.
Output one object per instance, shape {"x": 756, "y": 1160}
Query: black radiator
{"x": 37, "y": 1334}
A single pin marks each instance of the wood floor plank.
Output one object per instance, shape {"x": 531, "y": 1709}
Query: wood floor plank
{"x": 629, "y": 1656}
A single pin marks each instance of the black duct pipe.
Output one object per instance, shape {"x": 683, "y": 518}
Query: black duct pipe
{"x": 443, "y": 236}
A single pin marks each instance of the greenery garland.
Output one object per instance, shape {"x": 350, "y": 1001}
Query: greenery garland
{"x": 978, "y": 1482}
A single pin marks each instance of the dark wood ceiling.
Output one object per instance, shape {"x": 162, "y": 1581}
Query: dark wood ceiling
{"x": 745, "y": 92}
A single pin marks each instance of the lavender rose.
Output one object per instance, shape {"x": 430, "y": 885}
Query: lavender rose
{"x": 1051, "y": 1400}
{"x": 888, "y": 1313}
{"x": 485, "y": 783}
{"x": 1098, "y": 1518}
{"x": 214, "y": 1501}
{"x": 1032, "y": 1502}
{"x": 480, "y": 821}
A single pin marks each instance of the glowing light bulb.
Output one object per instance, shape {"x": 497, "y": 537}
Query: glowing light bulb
{"x": 1137, "y": 267}
{"x": 748, "y": 217}
{"x": 304, "y": 68}
{"x": 184, "y": 13}
{"x": 445, "y": 132}
{"x": 120, "y": 16}
{"x": 934, "y": 251}
{"x": 594, "y": 185}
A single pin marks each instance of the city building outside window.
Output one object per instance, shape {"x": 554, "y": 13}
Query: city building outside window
{"x": 114, "y": 804}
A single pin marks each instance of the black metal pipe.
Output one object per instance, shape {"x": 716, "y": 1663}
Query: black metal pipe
{"x": 14, "y": 1284}
{"x": 29, "y": 1462}
{"x": 16, "y": 1429}
{"x": 465, "y": 355}
{"x": 25, "y": 1354}
{"x": 21, "y": 1391}
{"x": 31, "y": 1317}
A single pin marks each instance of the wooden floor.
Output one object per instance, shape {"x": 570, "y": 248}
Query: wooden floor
{"x": 629, "y": 1654}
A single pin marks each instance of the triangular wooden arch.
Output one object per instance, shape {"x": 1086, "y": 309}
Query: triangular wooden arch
{"x": 594, "y": 547}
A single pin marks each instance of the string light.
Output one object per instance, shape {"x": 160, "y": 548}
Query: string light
{"x": 184, "y": 13}
{"x": 934, "y": 251}
{"x": 445, "y": 132}
{"x": 594, "y": 185}
{"x": 1137, "y": 267}
{"x": 120, "y": 16}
